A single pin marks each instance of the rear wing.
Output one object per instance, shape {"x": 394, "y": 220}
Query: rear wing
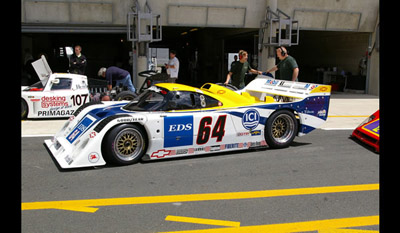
{"x": 312, "y": 100}
{"x": 284, "y": 91}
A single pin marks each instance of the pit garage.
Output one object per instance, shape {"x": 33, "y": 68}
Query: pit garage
{"x": 202, "y": 51}
{"x": 338, "y": 41}
{"x": 338, "y": 58}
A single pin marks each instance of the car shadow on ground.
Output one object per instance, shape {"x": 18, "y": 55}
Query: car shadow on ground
{"x": 366, "y": 146}
{"x": 192, "y": 157}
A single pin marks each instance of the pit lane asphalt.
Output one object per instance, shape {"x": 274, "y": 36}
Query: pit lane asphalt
{"x": 319, "y": 159}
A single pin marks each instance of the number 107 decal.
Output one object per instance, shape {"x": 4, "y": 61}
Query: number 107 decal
{"x": 205, "y": 129}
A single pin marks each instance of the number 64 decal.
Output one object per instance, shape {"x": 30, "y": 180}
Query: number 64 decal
{"x": 205, "y": 129}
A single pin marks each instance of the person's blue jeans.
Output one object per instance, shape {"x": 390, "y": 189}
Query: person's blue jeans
{"x": 127, "y": 82}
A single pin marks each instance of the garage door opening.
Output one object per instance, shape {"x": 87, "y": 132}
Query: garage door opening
{"x": 203, "y": 53}
{"x": 330, "y": 57}
{"x": 100, "y": 49}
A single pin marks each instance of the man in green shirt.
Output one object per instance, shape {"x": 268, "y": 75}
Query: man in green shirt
{"x": 239, "y": 70}
{"x": 288, "y": 68}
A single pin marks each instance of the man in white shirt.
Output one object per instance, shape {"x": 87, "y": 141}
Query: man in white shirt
{"x": 172, "y": 67}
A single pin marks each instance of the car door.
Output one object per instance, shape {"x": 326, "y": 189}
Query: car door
{"x": 194, "y": 125}
{"x": 56, "y": 102}
{"x": 214, "y": 126}
{"x": 179, "y": 126}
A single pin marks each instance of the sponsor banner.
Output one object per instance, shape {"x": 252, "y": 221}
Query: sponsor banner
{"x": 178, "y": 131}
{"x": 163, "y": 153}
{"x": 80, "y": 128}
{"x": 54, "y": 101}
{"x": 54, "y": 113}
{"x": 251, "y": 119}
{"x": 316, "y": 106}
{"x": 372, "y": 127}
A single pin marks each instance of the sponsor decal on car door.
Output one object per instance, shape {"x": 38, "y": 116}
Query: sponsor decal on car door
{"x": 178, "y": 131}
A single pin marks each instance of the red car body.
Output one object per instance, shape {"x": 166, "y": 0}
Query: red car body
{"x": 368, "y": 131}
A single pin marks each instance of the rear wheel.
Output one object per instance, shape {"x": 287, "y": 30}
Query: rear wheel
{"x": 125, "y": 95}
{"x": 125, "y": 144}
{"x": 280, "y": 129}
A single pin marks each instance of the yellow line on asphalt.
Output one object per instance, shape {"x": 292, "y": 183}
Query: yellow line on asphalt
{"x": 346, "y": 231}
{"x": 89, "y": 205}
{"x": 329, "y": 225}
{"x": 205, "y": 221}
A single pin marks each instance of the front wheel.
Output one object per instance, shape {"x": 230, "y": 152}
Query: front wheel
{"x": 125, "y": 144}
{"x": 24, "y": 109}
{"x": 281, "y": 128}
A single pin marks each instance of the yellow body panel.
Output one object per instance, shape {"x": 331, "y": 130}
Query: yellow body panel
{"x": 227, "y": 97}
{"x": 321, "y": 89}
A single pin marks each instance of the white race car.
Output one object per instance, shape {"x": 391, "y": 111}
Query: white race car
{"x": 55, "y": 95}
{"x": 174, "y": 120}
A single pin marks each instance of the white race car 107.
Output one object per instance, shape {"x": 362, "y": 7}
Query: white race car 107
{"x": 174, "y": 120}
{"x": 55, "y": 95}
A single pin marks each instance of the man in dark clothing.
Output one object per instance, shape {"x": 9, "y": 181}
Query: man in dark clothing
{"x": 239, "y": 70}
{"x": 77, "y": 61}
{"x": 288, "y": 68}
{"x": 118, "y": 75}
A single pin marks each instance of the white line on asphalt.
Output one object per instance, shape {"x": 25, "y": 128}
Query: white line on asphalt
{"x": 337, "y": 128}
{"x": 36, "y": 135}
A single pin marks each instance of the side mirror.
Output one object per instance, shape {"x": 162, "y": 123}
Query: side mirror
{"x": 55, "y": 81}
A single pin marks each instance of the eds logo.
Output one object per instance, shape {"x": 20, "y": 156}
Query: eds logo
{"x": 251, "y": 119}
{"x": 178, "y": 131}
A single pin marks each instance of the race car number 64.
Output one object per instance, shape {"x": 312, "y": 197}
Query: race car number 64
{"x": 205, "y": 129}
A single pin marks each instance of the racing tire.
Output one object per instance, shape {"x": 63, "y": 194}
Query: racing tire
{"x": 125, "y": 95}
{"x": 280, "y": 129}
{"x": 124, "y": 144}
{"x": 24, "y": 109}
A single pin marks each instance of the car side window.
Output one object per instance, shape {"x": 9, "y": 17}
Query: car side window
{"x": 208, "y": 102}
{"x": 63, "y": 84}
{"x": 184, "y": 100}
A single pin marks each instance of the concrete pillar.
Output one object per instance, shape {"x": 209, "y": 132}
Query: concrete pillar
{"x": 141, "y": 66}
{"x": 140, "y": 63}
{"x": 373, "y": 78}
{"x": 268, "y": 53}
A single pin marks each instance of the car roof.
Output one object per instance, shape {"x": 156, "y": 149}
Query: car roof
{"x": 226, "y": 96}
{"x": 177, "y": 87}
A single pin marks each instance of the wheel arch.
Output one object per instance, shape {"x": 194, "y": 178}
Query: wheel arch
{"x": 130, "y": 123}
{"x": 104, "y": 123}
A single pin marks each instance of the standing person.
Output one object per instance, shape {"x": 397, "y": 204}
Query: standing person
{"x": 288, "y": 68}
{"x": 239, "y": 69}
{"x": 172, "y": 67}
{"x": 234, "y": 60}
{"x": 118, "y": 75}
{"x": 78, "y": 61}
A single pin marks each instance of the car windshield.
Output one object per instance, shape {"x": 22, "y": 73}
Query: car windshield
{"x": 62, "y": 84}
{"x": 38, "y": 86}
{"x": 153, "y": 99}
{"x": 160, "y": 99}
